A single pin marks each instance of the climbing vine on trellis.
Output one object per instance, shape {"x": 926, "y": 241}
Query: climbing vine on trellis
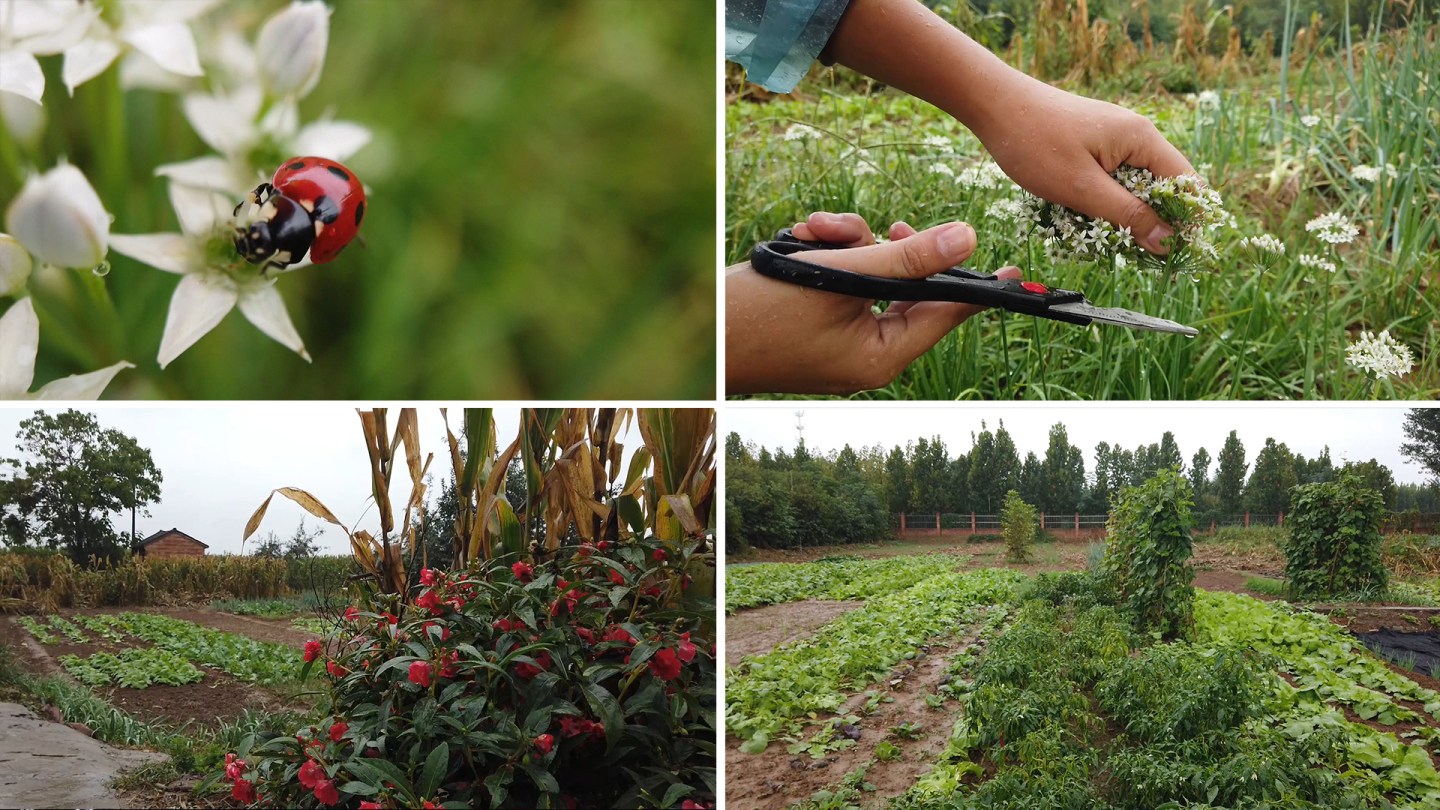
{"x": 1333, "y": 548}
{"x": 1147, "y": 553}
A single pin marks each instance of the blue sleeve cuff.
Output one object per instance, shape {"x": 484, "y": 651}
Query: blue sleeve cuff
{"x": 777, "y": 40}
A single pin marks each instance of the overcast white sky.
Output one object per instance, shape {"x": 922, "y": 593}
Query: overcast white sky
{"x": 1355, "y": 433}
{"x": 219, "y": 464}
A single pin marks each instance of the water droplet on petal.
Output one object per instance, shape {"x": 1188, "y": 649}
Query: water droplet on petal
{"x": 102, "y": 269}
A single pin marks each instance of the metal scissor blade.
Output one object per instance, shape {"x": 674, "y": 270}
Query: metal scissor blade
{"x": 1124, "y": 317}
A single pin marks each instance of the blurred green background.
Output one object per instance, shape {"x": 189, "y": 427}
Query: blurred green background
{"x": 541, "y": 218}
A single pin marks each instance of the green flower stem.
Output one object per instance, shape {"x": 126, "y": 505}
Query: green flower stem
{"x": 10, "y": 157}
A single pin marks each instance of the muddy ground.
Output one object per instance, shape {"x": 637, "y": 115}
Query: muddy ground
{"x": 758, "y": 631}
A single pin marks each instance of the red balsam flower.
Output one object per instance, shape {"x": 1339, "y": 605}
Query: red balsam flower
{"x": 685, "y": 649}
{"x": 544, "y": 742}
{"x": 312, "y": 649}
{"x": 420, "y": 673}
{"x": 523, "y": 571}
{"x": 665, "y": 665}
{"x": 325, "y": 792}
{"x": 337, "y": 731}
{"x": 243, "y": 792}
{"x": 311, "y": 773}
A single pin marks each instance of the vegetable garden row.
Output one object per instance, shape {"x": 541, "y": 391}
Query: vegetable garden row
{"x": 1118, "y": 687}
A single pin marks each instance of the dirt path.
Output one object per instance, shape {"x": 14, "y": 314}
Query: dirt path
{"x": 760, "y": 630}
{"x": 45, "y": 764}
{"x": 776, "y": 778}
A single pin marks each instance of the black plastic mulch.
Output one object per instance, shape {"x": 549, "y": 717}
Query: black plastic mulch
{"x": 1400, "y": 647}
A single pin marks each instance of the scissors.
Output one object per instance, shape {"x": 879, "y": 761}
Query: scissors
{"x": 778, "y": 260}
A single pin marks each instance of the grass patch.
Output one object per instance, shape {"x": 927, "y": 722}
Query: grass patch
{"x": 1267, "y": 586}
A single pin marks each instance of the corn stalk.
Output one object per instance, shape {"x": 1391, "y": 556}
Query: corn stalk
{"x": 381, "y": 559}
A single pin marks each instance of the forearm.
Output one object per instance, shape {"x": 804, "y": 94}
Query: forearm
{"x": 905, "y": 45}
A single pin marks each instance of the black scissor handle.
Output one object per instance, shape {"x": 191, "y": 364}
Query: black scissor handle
{"x": 777, "y": 260}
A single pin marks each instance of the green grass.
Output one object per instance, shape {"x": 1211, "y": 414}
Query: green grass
{"x": 1267, "y": 586}
{"x": 1264, "y": 335}
{"x": 541, "y": 218}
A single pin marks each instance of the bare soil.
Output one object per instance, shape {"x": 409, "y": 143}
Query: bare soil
{"x": 776, "y": 778}
{"x": 760, "y": 630}
{"x": 1368, "y": 619}
{"x": 1232, "y": 581}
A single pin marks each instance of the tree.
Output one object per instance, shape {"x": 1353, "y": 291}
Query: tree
{"x": 1268, "y": 492}
{"x": 1032, "y": 480}
{"x": 897, "y": 481}
{"x": 847, "y": 465}
{"x": 1377, "y": 477}
{"x": 1230, "y": 477}
{"x": 994, "y": 469}
{"x": 269, "y": 547}
{"x": 73, "y": 480}
{"x": 1200, "y": 473}
{"x": 302, "y": 543}
{"x": 735, "y": 449}
{"x": 929, "y": 476}
{"x": 1169, "y": 456}
{"x": 1422, "y": 441}
{"x": 1062, "y": 484}
{"x": 1017, "y": 522}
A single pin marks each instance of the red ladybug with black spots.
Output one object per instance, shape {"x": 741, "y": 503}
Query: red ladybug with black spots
{"x": 311, "y": 204}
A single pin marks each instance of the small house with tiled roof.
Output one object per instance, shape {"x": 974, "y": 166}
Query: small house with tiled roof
{"x": 171, "y": 543}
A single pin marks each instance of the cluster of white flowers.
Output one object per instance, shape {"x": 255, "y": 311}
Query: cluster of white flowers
{"x": 1006, "y": 210}
{"x": 1380, "y": 356}
{"x": 984, "y": 175}
{"x": 801, "y": 132}
{"x": 1333, "y": 228}
{"x": 863, "y": 167}
{"x": 1370, "y": 174}
{"x": 1316, "y": 263}
{"x": 1264, "y": 242}
{"x": 1208, "y": 100}
{"x": 1310, "y": 121}
{"x": 1192, "y": 208}
{"x": 59, "y": 220}
{"x": 941, "y": 142}
{"x": 941, "y": 168}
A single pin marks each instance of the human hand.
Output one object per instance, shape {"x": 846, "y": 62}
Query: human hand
{"x": 1063, "y": 147}
{"x": 784, "y": 338}
{"x": 1056, "y": 145}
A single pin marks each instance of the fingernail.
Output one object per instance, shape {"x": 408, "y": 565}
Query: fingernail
{"x": 956, "y": 241}
{"x": 1152, "y": 242}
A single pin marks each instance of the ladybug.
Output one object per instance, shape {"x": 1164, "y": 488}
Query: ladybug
{"x": 311, "y": 204}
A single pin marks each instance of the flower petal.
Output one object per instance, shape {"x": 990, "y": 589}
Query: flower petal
{"x": 20, "y": 74}
{"x": 15, "y": 266}
{"x": 212, "y": 173}
{"x": 138, "y": 71}
{"x": 291, "y": 48}
{"x": 170, "y": 252}
{"x": 146, "y": 12}
{"x": 24, "y": 118}
{"x": 226, "y": 123}
{"x": 199, "y": 209}
{"x": 19, "y": 341}
{"x": 59, "y": 218}
{"x": 48, "y": 28}
{"x": 169, "y": 43}
{"x": 200, "y": 303}
{"x": 336, "y": 140}
{"x": 81, "y": 386}
{"x": 264, "y": 307}
{"x": 87, "y": 59}
{"x": 281, "y": 121}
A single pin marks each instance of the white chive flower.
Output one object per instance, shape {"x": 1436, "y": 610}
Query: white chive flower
{"x": 60, "y": 220}
{"x": 20, "y": 342}
{"x": 941, "y": 142}
{"x": 1380, "y": 356}
{"x": 1316, "y": 263}
{"x": 986, "y": 175}
{"x": 1390, "y": 171}
{"x": 1191, "y": 207}
{"x": 1208, "y": 100}
{"x": 1310, "y": 121}
{"x": 229, "y": 125}
{"x": 941, "y": 168}
{"x": 1006, "y": 210}
{"x": 155, "y": 38}
{"x": 1367, "y": 173}
{"x": 801, "y": 132}
{"x": 1333, "y": 228}
{"x": 214, "y": 278}
{"x": 33, "y": 29}
{"x": 863, "y": 168}
{"x": 1263, "y": 250}
{"x": 15, "y": 265}
{"x": 291, "y": 48}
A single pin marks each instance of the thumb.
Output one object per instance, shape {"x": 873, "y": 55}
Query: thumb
{"x": 924, "y": 254}
{"x": 1109, "y": 201}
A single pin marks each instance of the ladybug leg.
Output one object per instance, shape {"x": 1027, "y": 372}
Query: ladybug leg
{"x": 259, "y": 196}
